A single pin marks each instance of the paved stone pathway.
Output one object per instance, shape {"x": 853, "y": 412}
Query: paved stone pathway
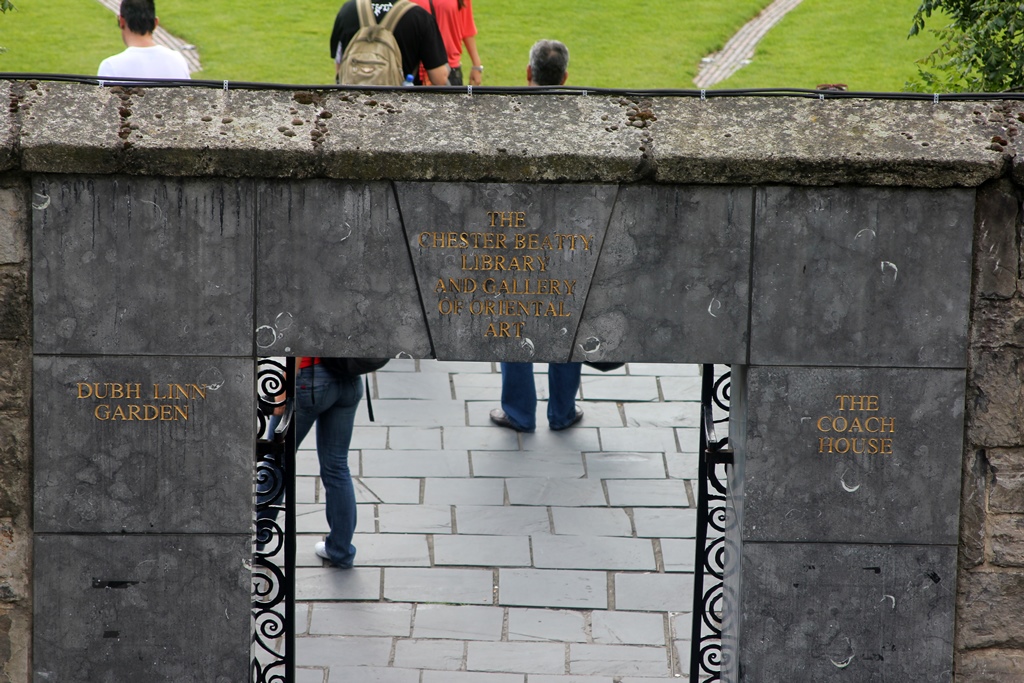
{"x": 162, "y": 37}
{"x": 739, "y": 50}
{"x": 488, "y": 556}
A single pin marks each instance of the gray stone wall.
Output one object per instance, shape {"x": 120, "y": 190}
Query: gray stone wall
{"x": 210, "y": 133}
{"x": 15, "y": 433}
{"x": 990, "y": 633}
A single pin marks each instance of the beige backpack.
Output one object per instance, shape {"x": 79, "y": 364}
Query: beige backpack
{"x": 372, "y": 56}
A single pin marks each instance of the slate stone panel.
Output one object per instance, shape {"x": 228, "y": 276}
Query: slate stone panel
{"x": 135, "y": 265}
{"x": 137, "y": 464}
{"x": 857, "y": 613}
{"x": 509, "y": 286}
{"x": 334, "y": 276}
{"x": 861, "y": 276}
{"x": 674, "y": 278}
{"x": 153, "y": 608}
{"x": 803, "y": 480}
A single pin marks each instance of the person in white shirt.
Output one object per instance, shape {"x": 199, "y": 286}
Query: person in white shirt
{"x": 143, "y": 58}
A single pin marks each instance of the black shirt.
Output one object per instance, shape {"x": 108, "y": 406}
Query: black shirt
{"x": 417, "y": 35}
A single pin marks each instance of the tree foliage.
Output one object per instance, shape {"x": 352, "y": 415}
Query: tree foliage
{"x": 981, "y": 49}
{"x": 5, "y": 5}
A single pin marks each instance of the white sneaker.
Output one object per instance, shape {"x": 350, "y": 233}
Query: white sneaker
{"x": 321, "y": 550}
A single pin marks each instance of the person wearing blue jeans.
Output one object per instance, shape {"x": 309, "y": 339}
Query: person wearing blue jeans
{"x": 330, "y": 401}
{"x": 519, "y": 397}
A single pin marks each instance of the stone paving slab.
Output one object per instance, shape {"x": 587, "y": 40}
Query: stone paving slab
{"x": 644, "y": 439}
{"x": 677, "y": 414}
{"x": 665, "y": 522}
{"x": 327, "y": 583}
{"x": 429, "y": 654}
{"x": 631, "y": 492}
{"x": 464, "y": 491}
{"x": 550, "y": 491}
{"x": 362, "y": 619}
{"x": 568, "y": 465}
{"x": 415, "y": 438}
{"x": 618, "y": 660}
{"x": 373, "y": 674}
{"x": 507, "y": 520}
{"x": 392, "y": 550}
{"x": 510, "y": 657}
{"x": 346, "y": 651}
{"x": 591, "y": 521}
{"x": 456, "y": 586}
{"x": 459, "y": 622}
{"x": 610, "y": 465}
{"x": 654, "y": 592}
{"x": 547, "y": 625}
{"x": 438, "y": 463}
{"x": 429, "y": 386}
{"x": 612, "y": 388}
{"x": 482, "y": 438}
{"x": 553, "y": 588}
{"x": 415, "y": 519}
{"x": 678, "y": 554}
{"x": 482, "y": 551}
{"x": 383, "y": 490}
{"x": 470, "y": 677}
{"x": 593, "y": 552}
{"x": 627, "y": 628}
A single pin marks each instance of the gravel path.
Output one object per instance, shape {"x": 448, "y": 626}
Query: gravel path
{"x": 738, "y": 52}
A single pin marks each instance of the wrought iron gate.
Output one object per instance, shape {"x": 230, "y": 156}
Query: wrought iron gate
{"x": 707, "y": 655}
{"x": 273, "y": 582}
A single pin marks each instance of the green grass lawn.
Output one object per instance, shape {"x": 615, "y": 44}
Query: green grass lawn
{"x": 863, "y": 44}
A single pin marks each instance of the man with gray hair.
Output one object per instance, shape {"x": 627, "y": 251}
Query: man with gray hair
{"x": 549, "y": 63}
{"x": 549, "y": 60}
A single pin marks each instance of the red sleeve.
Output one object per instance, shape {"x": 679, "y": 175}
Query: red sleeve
{"x": 468, "y": 25}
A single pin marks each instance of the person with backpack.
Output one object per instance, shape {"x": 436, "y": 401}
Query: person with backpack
{"x": 455, "y": 20}
{"x": 365, "y": 35}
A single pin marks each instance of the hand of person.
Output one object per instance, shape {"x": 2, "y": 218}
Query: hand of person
{"x": 475, "y": 77}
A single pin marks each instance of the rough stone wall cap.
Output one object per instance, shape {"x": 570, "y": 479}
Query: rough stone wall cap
{"x": 506, "y": 137}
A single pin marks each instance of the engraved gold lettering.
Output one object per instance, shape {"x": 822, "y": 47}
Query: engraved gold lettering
{"x": 102, "y": 412}
{"x": 133, "y": 412}
{"x": 888, "y": 425}
{"x": 824, "y": 419}
{"x": 835, "y": 423}
{"x": 886, "y": 446}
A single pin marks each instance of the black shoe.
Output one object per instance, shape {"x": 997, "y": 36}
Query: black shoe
{"x": 575, "y": 418}
{"x": 499, "y": 418}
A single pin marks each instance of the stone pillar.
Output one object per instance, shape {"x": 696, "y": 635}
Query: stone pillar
{"x": 15, "y": 439}
{"x": 852, "y": 431}
{"x": 990, "y": 591}
{"x": 143, "y": 422}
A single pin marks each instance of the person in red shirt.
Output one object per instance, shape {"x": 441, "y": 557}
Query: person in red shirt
{"x": 455, "y": 20}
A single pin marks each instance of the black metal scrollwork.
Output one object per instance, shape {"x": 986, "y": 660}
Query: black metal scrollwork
{"x": 272, "y": 587}
{"x": 714, "y": 549}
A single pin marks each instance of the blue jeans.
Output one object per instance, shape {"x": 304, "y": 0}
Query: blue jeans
{"x": 519, "y": 394}
{"x": 330, "y": 401}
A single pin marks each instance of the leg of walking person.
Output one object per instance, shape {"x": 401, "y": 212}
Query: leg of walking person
{"x": 563, "y": 385}
{"x": 518, "y": 397}
{"x": 331, "y": 403}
